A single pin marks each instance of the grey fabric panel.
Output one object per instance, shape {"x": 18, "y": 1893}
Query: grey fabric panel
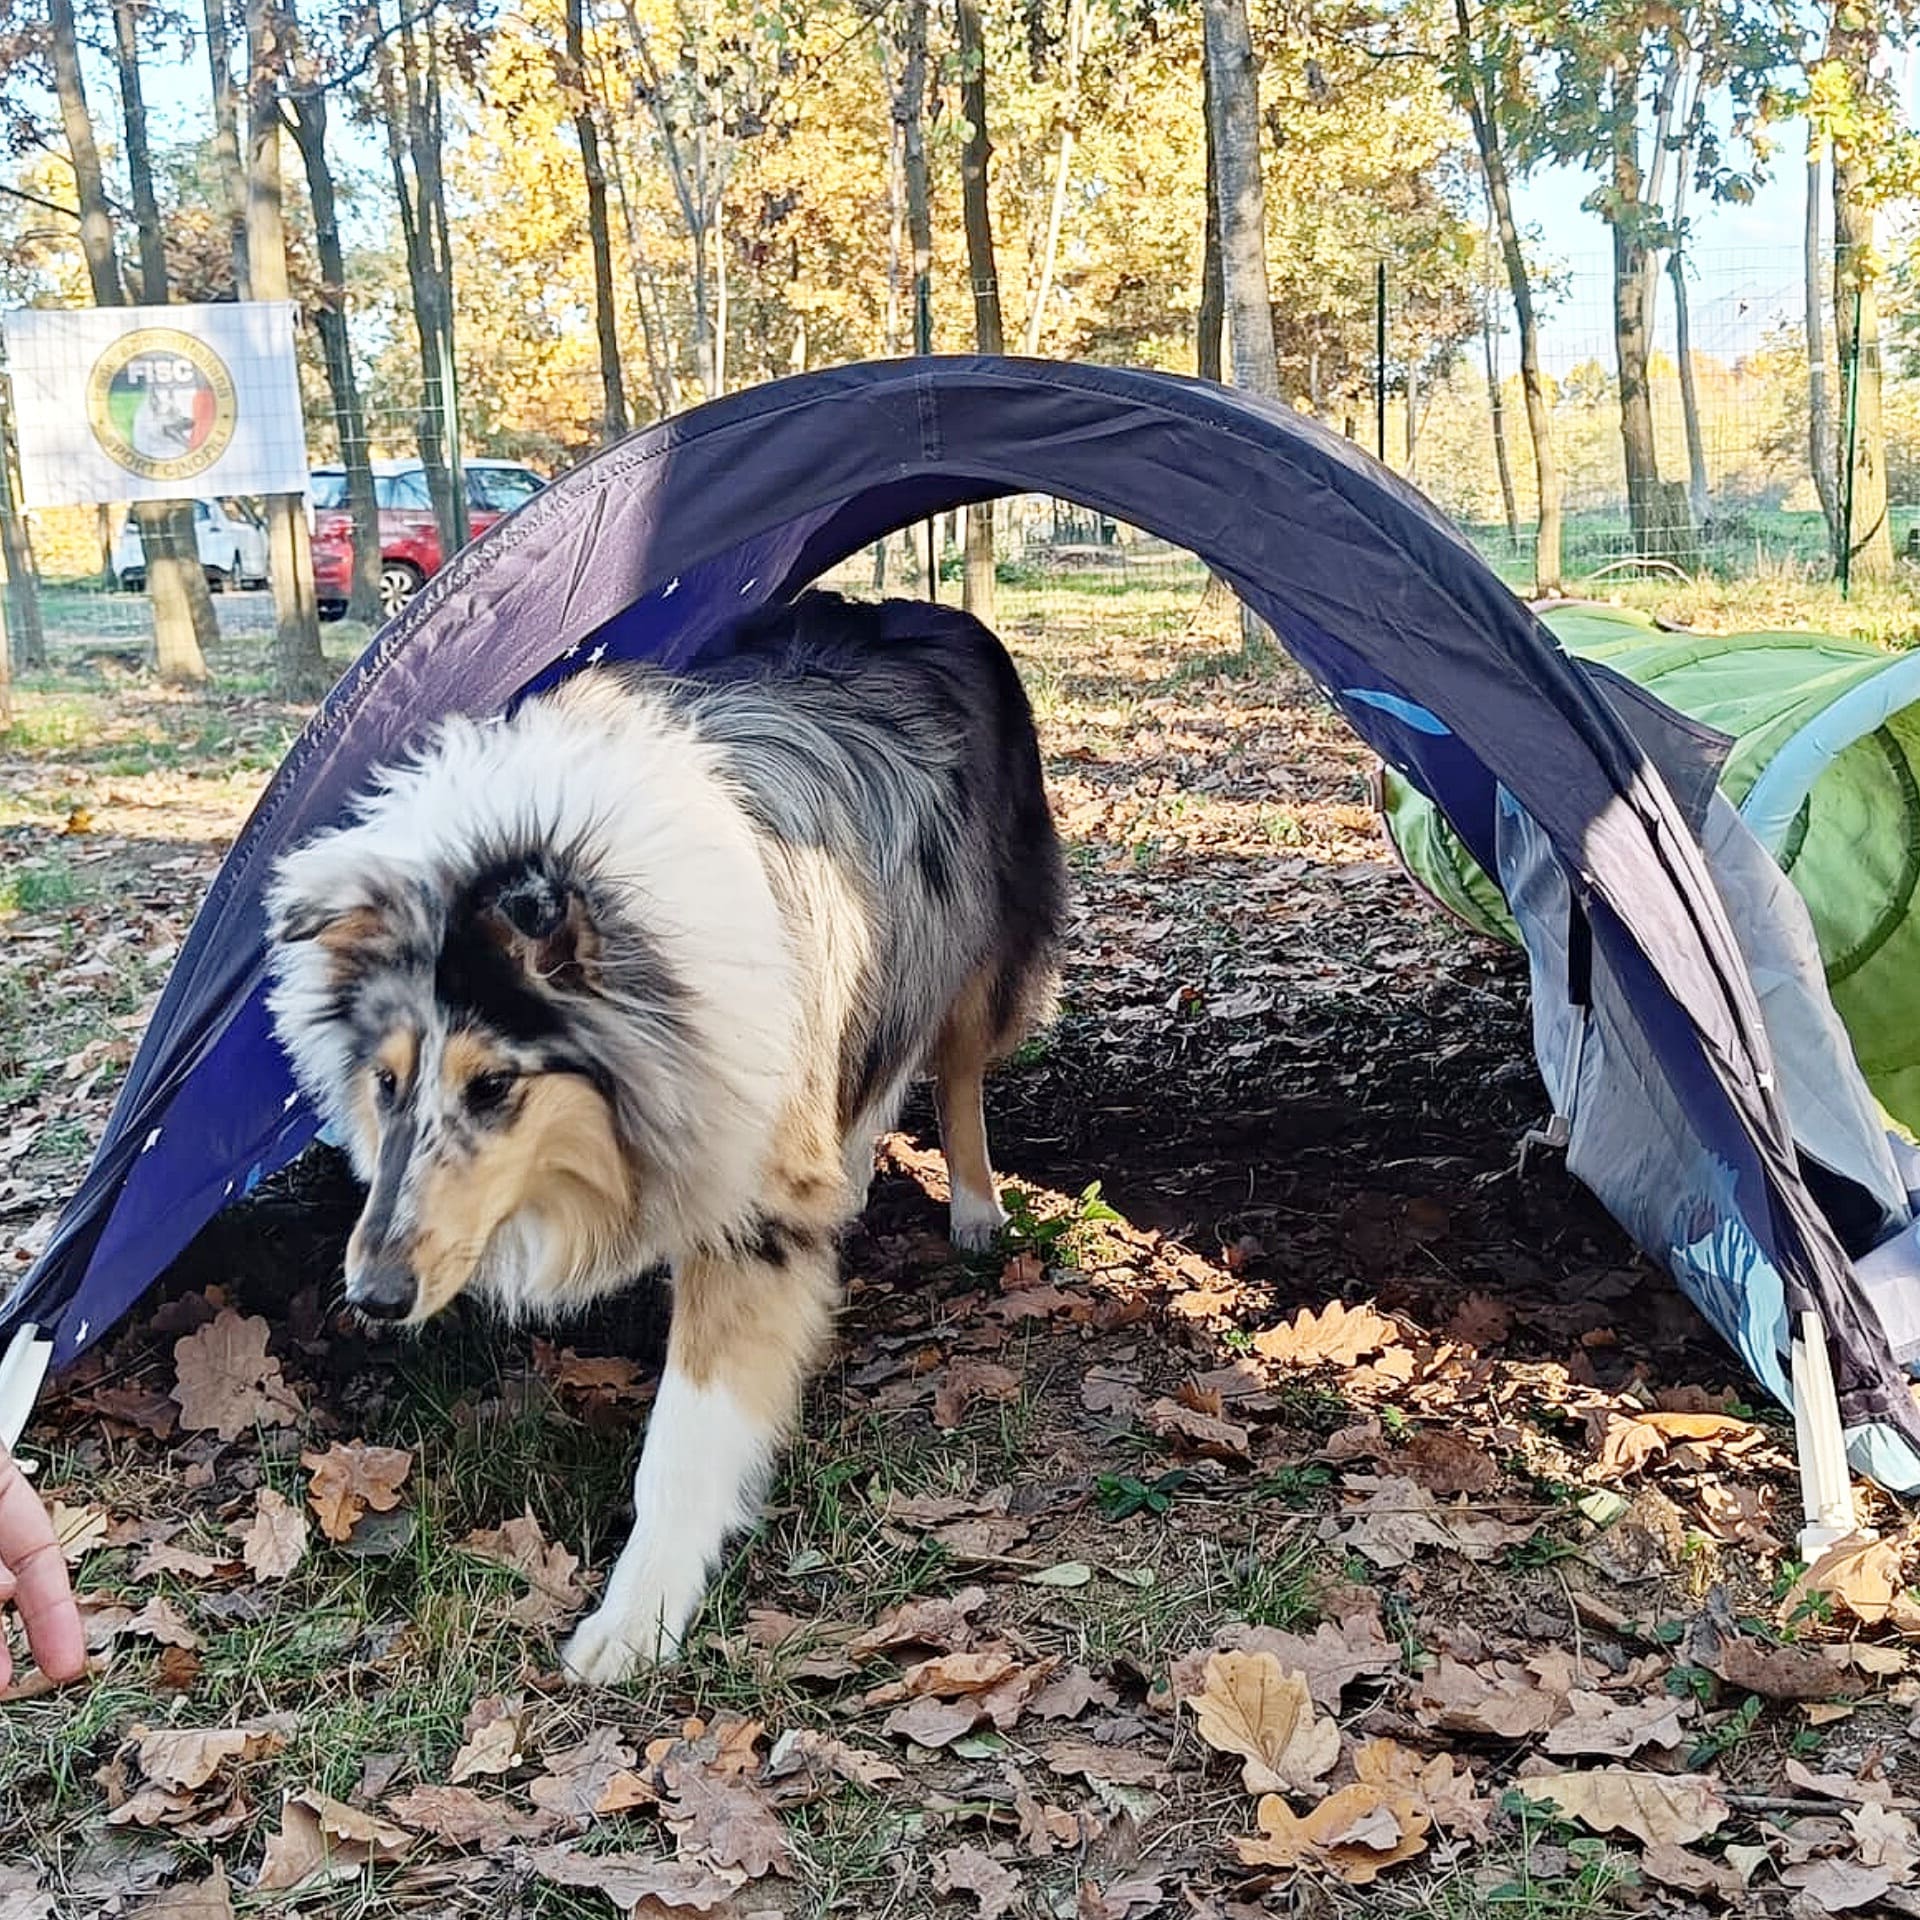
{"x": 1688, "y": 752}
{"x": 1834, "y": 1117}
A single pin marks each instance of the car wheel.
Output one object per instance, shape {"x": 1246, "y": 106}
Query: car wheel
{"x": 216, "y": 579}
{"x": 398, "y": 584}
{"x": 333, "y": 609}
{"x": 133, "y": 583}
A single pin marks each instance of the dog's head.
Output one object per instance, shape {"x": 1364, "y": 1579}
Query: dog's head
{"x": 447, "y": 1025}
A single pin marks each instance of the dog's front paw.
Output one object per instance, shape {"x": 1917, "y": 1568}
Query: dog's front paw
{"x": 974, "y": 1224}
{"x": 608, "y": 1647}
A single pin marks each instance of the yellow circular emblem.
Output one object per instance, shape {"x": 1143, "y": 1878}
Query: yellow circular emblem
{"x": 161, "y": 404}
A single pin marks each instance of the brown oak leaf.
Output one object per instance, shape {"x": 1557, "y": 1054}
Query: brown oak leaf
{"x": 460, "y": 1817}
{"x": 1338, "y": 1335}
{"x": 1673, "y": 1809}
{"x": 636, "y": 1882}
{"x": 973, "y": 1870}
{"x": 226, "y": 1381}
{"x": 351, "y": 1480}
{"x": 725, "y": 1824}
{"x": 1447, "y": 1797}
{"x": 596, "y": 1777}
{"x": 554, "y": 1594}
{"x": 1355, "y": 1834}
{"x": 323, "y": 1839}
{"x": 1249, "y": 1705}
{"x": 274, "y": 1541}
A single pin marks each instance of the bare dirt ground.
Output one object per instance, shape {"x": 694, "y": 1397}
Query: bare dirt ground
{"x": 1304, "y": 1512}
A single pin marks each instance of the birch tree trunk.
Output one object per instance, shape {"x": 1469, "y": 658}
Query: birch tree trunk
{"x": 983, "y": 271}
{"x": 1076, "y": 47}
{"x": 300, "y": 666}
{"x": 183, "y": 619}
{"x": 1233, "y": 108}
{"x": 226, "y": 139}
{"x": 1483, "y": 112}
{"x": 1823, "y": 456}
{"x": 307, "y": 116}
{"x": 1853, "y": 44}
{"x": 612, "y": 384}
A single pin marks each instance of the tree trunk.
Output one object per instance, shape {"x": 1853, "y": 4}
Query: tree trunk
{"x": 1497, "y": 408}
{"x": 422, "y": 282}
{"x": 1854, "y": 43}
{"x": 96, "y": 223}
{"x": 613, "y": 386}
{"x": 1483, "y": 113}
{"x": 226, "y": 140}
{"x": 984, "y": 273}
{"x": 308, "y": 118}
{"x": 1076, "y": 37}
{"x": 1232, "y": 101}
{"x": 909, "y": 111}
{"x": 300, "y": 666}
{"x": 659, "y": 350}
{"x": 1235, "y": 104}
{"x": 896, "y": 256}
{"x": 1656, "y": 512}
{"x": 1699, "y": 496}
{"x": 1213, "y": 292}
{"x": 1699, "y": 492}
{"x": 1823, "y": 456}
{"x": 26, "y": 636}
{"x": 183, "y": 619}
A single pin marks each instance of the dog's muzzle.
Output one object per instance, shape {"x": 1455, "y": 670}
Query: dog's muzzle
{"x": 383, "y": 1287}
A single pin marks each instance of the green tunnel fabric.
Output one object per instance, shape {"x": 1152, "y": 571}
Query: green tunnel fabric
{"x": 1825, "y": 766}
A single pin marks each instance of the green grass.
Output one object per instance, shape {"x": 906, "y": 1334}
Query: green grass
{"x": 40, "y": 886}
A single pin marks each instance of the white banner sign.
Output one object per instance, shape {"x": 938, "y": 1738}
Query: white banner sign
{"x": 156, "y": 403}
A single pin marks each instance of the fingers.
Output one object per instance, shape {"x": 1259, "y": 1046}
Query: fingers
{"x": 33, "y": 1574}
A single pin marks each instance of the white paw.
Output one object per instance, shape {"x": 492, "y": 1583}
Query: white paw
{"x": 608, "y": 1647}
{"x": 973, "y": 1223}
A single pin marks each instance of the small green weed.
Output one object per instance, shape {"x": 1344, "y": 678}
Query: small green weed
{"x": 1056, "y": 1237}
{"x": 1121, "y": 1496}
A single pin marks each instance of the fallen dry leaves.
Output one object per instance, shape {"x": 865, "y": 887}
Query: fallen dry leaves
{"x": 1354, "y": 1834}
{"x": 974, "y": 1871}
{"x": 1251, "y": 1706}
{"x": 274, "y": 1542}
{"x": 1337, "y": 1335}
{"x": 322, "y": 1840}
{"x": 554, "y": 1593}
{"x": 226, "y": 1381}
{"x": 1672, "y": 1809}
{"x": 351, "y": 1480}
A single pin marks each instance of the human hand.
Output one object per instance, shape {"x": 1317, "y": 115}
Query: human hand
{"x": 33, "y": 1578}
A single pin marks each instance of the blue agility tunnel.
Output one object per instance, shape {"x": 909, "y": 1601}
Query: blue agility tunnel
{"x": 655, "y": 548}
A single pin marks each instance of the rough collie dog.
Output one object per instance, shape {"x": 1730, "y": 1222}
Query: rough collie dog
{"x": 635, "y": 976}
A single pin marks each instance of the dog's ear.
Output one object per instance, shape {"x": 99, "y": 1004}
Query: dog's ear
{"x": 543, "y": 922}
{"x": 319, "y": 896}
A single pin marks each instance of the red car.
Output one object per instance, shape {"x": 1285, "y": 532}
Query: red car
{"x": 409, "y": 536}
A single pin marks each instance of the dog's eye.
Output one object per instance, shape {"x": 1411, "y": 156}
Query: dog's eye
{"x": 485, "y": 1091}
{"x": 385, "y": 1084}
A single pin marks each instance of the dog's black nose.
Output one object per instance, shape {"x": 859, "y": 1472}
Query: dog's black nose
{"x": 383, "y": 1288}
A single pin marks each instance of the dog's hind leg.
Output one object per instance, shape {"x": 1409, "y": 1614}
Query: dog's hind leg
{"x": 967, "y": 1045}
{"x": 747, "y": 1328}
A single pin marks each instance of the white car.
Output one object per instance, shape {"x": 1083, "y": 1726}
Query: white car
{"x": 233, "y": 548}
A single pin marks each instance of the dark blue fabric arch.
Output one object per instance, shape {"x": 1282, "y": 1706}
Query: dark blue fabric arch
{"x": 651, "y": 549}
